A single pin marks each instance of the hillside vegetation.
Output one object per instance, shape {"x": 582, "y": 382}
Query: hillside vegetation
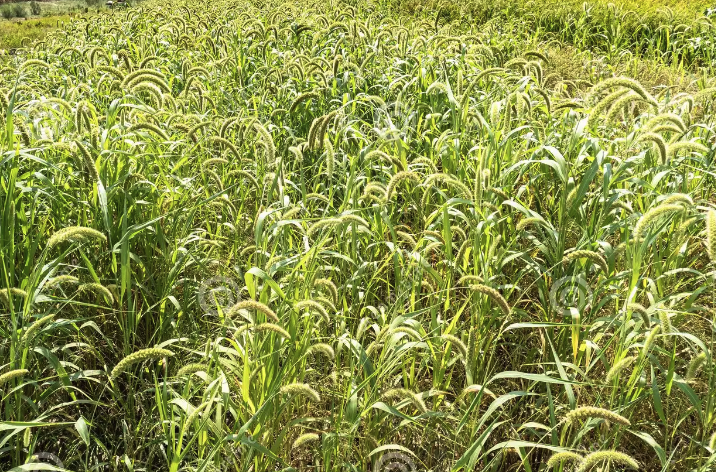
{"x": 359, "y": 236}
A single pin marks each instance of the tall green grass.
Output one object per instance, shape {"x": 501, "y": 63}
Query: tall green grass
{"x": 259, "y": 236}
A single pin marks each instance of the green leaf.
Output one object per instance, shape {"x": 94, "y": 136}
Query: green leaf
{"x": 647, "y": 438}
{"x": 57, "y": 365}
{"x": 21, "y": 425}
{"x": 533, "y": 377}
{"x": 256, "y": 272}
{"x": 472, "y": 455}
{"x": 391, "y": 447}
{"x": 255, "y": 445}
{"x": 393, "y": 411}
{"x": 81, "y": 427}
{"x": 656, "y": 397}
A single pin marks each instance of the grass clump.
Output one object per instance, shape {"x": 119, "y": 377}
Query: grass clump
{"x": 358, "y": 229}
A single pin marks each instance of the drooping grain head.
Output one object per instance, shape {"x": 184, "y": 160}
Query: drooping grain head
{"x": 587, "y": 412}
{"x": 139, "y": 356}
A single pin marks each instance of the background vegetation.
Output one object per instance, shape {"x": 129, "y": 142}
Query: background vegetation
{"x": 31, "y": 21}
{"x": 260, "y": 236}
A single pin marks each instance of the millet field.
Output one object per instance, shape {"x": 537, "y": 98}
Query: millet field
{"x": 360, "y": 236}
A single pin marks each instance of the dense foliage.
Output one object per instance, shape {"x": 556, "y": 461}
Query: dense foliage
{"x": 262, "y": 236}
{"x": 681, "y": 36}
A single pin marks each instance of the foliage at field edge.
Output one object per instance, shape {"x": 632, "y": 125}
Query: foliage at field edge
{"x": 682, "y": 37}
{"x": 262, "y": 236}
